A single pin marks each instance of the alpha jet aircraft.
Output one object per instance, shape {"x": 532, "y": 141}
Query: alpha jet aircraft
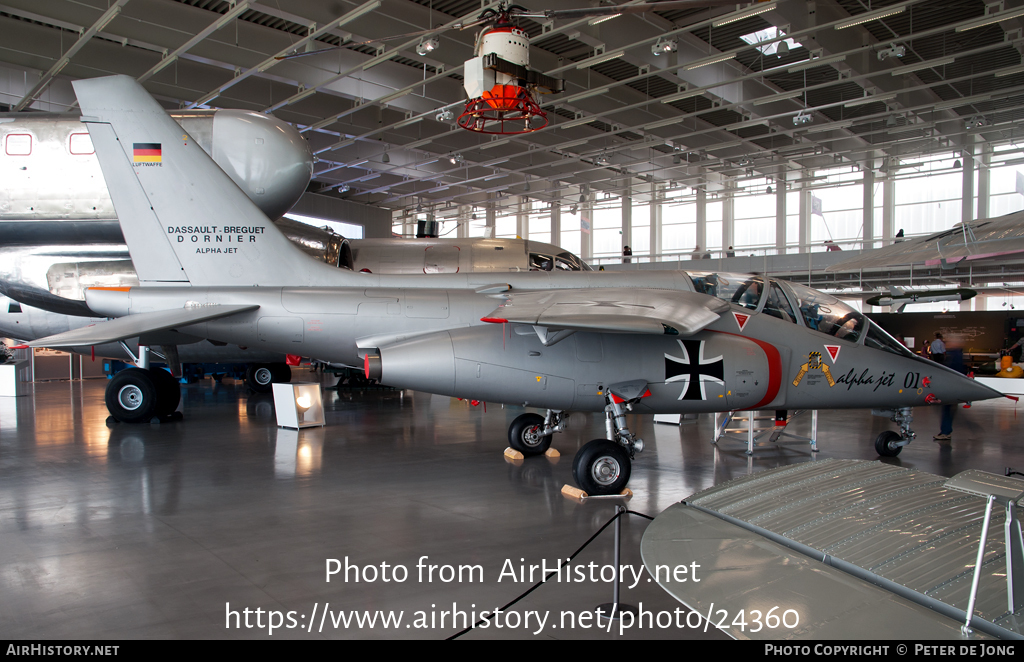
{"x": 61, "y": 235}
{"x": 211, "y": 265}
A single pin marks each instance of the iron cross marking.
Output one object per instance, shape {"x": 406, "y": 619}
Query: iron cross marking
{"x": 702, "y": 370}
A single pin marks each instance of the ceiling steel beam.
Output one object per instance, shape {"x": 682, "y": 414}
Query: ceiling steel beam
{"x": 63, "y": 61}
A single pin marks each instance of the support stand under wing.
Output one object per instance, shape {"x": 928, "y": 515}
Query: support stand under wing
{"x": 776, "y": 429}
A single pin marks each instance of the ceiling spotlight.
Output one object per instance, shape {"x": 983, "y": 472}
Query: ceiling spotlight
{"x": 574, "y": 209}
{"x": 385, "y": 158}
{"x": 603, "y": 159}
{"x": 445, "y": 115}
{"x": 782, "y": 49}
{"x": 768, "y": 190}
{"x": 428, "y": 46}
{"x": 892, "y": 51}
{"x": 975, "y": 122}
{"x": 664, "y": 46}
{"x": 583, "y": 197}
{"x": 455, "y": 158}
{"x": 957, "y": 164}
{"x": 802, "y": 118}
{"x": 345, "y": 188}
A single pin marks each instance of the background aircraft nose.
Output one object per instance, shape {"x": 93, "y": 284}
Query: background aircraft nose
{"x": 268, "y": 158}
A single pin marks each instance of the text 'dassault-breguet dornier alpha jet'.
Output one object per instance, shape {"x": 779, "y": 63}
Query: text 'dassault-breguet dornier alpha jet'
{"x": 211, "y": 265}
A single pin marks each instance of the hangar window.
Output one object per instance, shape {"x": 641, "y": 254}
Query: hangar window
{"x": 80, "y": 144}
{"x": 735, "y": 288}
{"x": 778, "y": 306}
{"x": 18, "y": 144}
{"x": 825, "y": 313}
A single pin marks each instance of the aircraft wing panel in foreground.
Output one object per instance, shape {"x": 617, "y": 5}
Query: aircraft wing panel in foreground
{"x": 615, "y": 310}
{"x": 843, "y": 549}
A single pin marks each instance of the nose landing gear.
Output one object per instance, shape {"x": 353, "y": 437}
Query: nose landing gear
{"x": 890, "y": 443}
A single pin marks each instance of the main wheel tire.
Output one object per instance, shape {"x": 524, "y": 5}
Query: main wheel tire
{"x": 168, "y": 391}
{"x": 884, "y": 444}
{"x": 601, "y": 467}
{"x": 281, "y": 373}
{"x": 260, "y": 377}
{"x": 523, "y": 437}
{"x": 132, "y": 396}
{"x": 357, "y": 380}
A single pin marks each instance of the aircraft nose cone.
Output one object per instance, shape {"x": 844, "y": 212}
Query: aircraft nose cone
{"x": 267, "y": 157}
{"x": 954, "y": 387}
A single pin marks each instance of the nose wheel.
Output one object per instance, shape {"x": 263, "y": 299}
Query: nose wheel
{"x": 886, "y": 444}
{"x": 890, "y": 443}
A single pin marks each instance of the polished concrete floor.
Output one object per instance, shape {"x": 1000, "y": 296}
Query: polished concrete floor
{"x": 162, "y": 531}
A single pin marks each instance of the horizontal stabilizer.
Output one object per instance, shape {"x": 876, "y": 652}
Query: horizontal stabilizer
{"x": 134, "y": 325}
{"x": 613, "y": 310}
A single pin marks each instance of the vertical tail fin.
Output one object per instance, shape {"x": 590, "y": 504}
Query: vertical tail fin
{"x": 183, "y": 218}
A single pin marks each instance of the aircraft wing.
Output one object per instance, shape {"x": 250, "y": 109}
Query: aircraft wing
{"x": 134, "y": 325}
{"x": 983, "y": 238}
{"x": 614, "y": 310}
{"x": 842, "y": 549}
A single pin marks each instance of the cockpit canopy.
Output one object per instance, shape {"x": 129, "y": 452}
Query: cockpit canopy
{"x": 564, "y": 261}
{"x": 817, "y": 310}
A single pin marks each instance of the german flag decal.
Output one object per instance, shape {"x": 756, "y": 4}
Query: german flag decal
{"x": 146, "y": 152}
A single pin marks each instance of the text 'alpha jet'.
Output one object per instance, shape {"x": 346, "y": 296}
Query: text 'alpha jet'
{"x": 211, "y": 265}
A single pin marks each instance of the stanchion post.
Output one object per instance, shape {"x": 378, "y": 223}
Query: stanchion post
{"x": 613, "y": 610}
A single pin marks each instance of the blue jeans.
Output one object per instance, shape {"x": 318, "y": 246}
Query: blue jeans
{"x": 946, "y": 426}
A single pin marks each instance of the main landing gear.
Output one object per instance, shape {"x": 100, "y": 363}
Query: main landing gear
{"x": 140, "y": 394}
{"x": 890, "y": 443}
{"x": 261, "y": 377}
{"x": 601, "y": 466}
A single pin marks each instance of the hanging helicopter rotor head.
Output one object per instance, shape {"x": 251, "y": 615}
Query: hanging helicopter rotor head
{"x": 503, "y": 110}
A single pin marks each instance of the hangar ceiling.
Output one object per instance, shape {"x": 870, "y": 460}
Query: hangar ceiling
{"x": 717, "y": 109}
